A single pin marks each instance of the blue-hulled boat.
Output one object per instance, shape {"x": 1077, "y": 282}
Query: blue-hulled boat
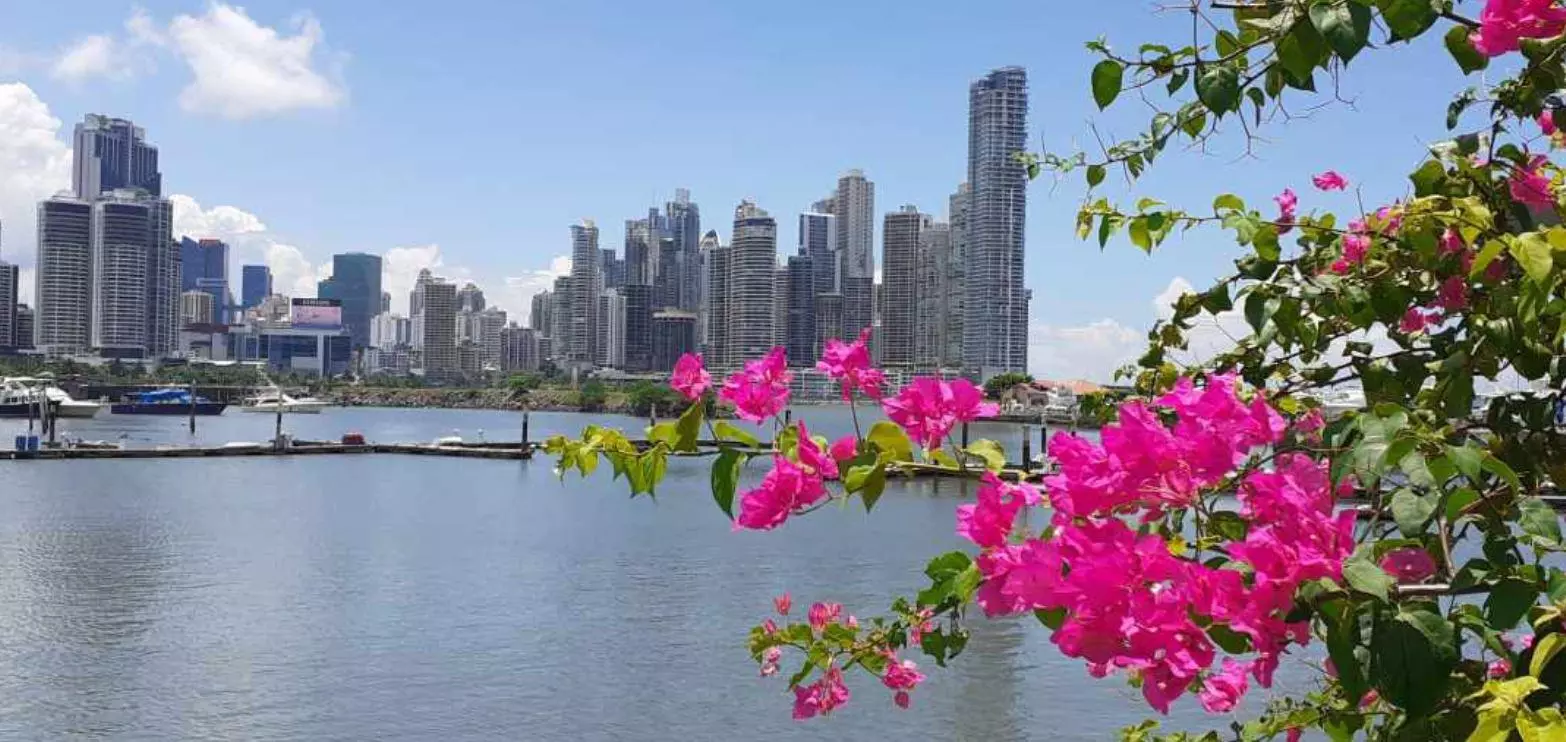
{"x": 166, "y": 402}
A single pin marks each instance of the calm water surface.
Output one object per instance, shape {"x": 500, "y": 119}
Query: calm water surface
{"x": 412, "y": 598}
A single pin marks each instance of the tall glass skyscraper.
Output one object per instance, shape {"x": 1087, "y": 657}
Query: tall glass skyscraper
{"x": 995, "y": 333}
{"x": 204, "y": 267}
{"x": 356, "y": 282}
{"x": 255, "y": 285}
{"x": 113, "y": 153}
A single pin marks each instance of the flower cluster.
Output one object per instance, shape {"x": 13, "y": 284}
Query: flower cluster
{"x": 1288, "y": 203}
{"x": 1505, "y": 23}
{"x": 928, "y": 408}
{"x": 690, "y": 377}
{"x": 849, "y": 364}
{"x": 761, "y": 390}
{"x": 1128, "y": 601}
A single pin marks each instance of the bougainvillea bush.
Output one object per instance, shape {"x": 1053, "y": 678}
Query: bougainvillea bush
{"x": 1222, "y": 520}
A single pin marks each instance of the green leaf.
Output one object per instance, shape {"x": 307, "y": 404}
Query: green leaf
{"x": 1462, "y": 50}
{"x": 1458, "y": 500}
{"x": 1052, "y": 618}
{"x": 1540, "y": 521}
{"x": 1345, "y": 26}
{"x": 1427, "y": 179}
{"x": 1407, "y": 18}
{"x": 1487, "y": 255}
{"x": 1256, "y": 311}
{"x": 1230, "y": 640}
{"x": 1343, "y": 640}
{"x": 872, "y": 487}
{"x": 1365, "y": 576}
{"x": 1228, "y": 201}
{"x": 1533, "y": 254}
{"x": 727, "y": 431}
{"x": 1218, "y": 88}
{"x": 891, "y": 440}
{"x": 1411, "y": 511}
{"x": 1545, "y": 650}
{"x": 725, "y": 478}
{"x": 664, "y": 432}
{"x": 1107, "y": 77}
{"x": 1509, "y": 601}
{"x": 1139, "y": 236}
{"x": 1228, "y": 524}
{"x": 991, "y": 452}
{"x": 1095, "y": 175}
{"x": 689, "y": 429}
{"x": 1412, "y": 657}
{"x": 1301, "y": 50}
{"x": 1469, "y": 461}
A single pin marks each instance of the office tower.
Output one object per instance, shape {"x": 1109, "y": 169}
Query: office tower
{"x": 878, "y": 304}
{"x": 954, "y": 355}
{"x": 829, "y": 318}
{"x": 491, "y": 322}
{"x": 854, "y": 206}
{"x": 995, "y": 330}
{"x": 937, "y": 301}
{"x": 25, "y": 321}
{"x": 256, "y": 284}
{"x": 470, "y": 298}
{"x": 119, "y": 295}
{"x": 780, "y": 293}
{"x": 110, "y": 154}
{"x": 682, "y": 223}
{"x": 587, "y": 283}
{"x": 538, "y": 317}
{"x": 63, "y": 281}
{"x": 673, "y": 335}
{"x": 818, "y": 244}
{"x": 9, "y": 274}
{"x": 519, "y": 349}
{"x": 163, "y": 287}
{"x": 899, "y": 313}
{"x": 388, "y": 331}
{"x": 800, "y": 316}
{"x": 638, "y": 327}
{"x": 385, "y": 301}
{"x": 711, "y": 321}
{"x": 203, "y": 266}
{"x": 613, "y": 268}
{"x": 639, "y": 245}
{"x": 416, "y": 306}
{"x": 611, "y": 329}
{"x": 560, "y": 317}
{"x": 752, "y": 274}
{"x": 356, "y": 282}
{"x": 437, "y": 320}
{"x": 196, "y": 308}
{"x": 670, "y": 268}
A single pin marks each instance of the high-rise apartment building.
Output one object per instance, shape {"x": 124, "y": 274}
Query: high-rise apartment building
{"x": 714, "y": 333}
{"x": 800, "y": 318}
{"x": 389, "y": 331}
{"x": 559, "y": 318}
{"x": 470, "y": 298}
{"x": 780, "y": 304}
{"x": 900, "y": 237}
{"x": 519, "y": 349}
{"x": 540, "y": 312}
{"x": 673, "y": 335}
{"x": 682, "y": 224}
{"x": 356, "y": 282}
{"x": 611, "y": 329}
{"x": 638, "y": 327}
{"x": 255, "y": 284}
{"x": 437, "y": 320}
{"x": 818, "y": 244}
{"x": 613, "y": 268}
{"x": 9, "y": 274}
{"x": 587, "y": 284}
{"x": 196, "y": 308}
{"x": 854, "y": 207}
{"x": 110, "y": 154}
{"x": 753, "y": 257}
{"x": 938, "y": 300}
{"x": 640, "y": 260}
{"x": 25, "y": 322}
{"x": 995, "y": 329}
{"x": 119, "y": 315}
{"x": 63, "y": 279}
{"x": 203, "y": 266}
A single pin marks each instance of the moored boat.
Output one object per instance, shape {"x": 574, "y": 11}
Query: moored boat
{"x": 270, "y": 401}
{"x": 61, "y": 404}
{"x": 167, "y": 402}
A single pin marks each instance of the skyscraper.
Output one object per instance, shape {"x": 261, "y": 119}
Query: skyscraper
{"x": 8, "y": 292}
{"x": 673, "y": 335}
{"x": 437, "y": 322}
{"x": 587, "y": 283}
{"x": 196, "y": 308}
{"x": 470, "y": 298}
{"x": 995, "y": 330}
{"x": 203, "y": 266}
{"x": 801, "y": 315}
{"x": 63, "y": 281}
{"x": 854, "y": 206}
{"x": 162, "y": 277}
{"x": 24, "y": 327}
{"x": 356, "y": 282}
{"x": 682, "y": 220}
{"x": 752, "y": 277}
{"x": 780, "y": 304}
{"x": 900, "y": 240}
{"x": 714, "y": 333}
{"x": 119, "y": 276}
{"x": 937, "y": 300}
{"x": 255, "y": 285}
{"x": 519, "y": 349}
{"x": 385, "y": 301}
{"x": 613, "y": 268}
{"x": 540, "y": 311}
{"x": 611, "y": 329}
{"x": 113, "y": 153}
{"x": 638, "y": 327}
{"x": 818, "y": 243}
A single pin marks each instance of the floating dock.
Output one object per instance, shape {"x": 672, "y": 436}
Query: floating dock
{"x": 505, "y": 451}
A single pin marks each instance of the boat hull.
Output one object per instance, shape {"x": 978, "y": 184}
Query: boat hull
{"x": 288, "y": 409}
{"x": 13, "y": 410}
{"x": 79, "y": 410}
{"x": 175, "y": 410}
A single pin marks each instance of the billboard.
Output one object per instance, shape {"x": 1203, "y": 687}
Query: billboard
{"x": 318, "y": 314}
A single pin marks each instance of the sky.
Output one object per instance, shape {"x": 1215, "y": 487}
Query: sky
{"x": 467, "y": 136}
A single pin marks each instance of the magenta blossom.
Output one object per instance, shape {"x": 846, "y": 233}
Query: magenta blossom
{"x": 1329, "y": 181}
{"x": 690, "y": 377}
{"x": 1287, "y": 203}
{"x": 786, "y": 490}
{"x": 990, "y": 520}
{"x": 782, "y": 603}
{"x": 928, "y": 408}
{"x": 812, "y": 457}
{"x": 822, "y": 614}
{"x": 1310, "y": 425}
{"x": 822, "y": 696}
{"x": 1505, "y": 23}
{"x": 1530, "y": 186}
{"x": 1451, "y": 242}
{"x": 1499, "y": 668}
{"x": 901, "y": 676}
{"x": 1417, "y": 320}
{"x": 761, "y": 390}
{"x": 849, "y": 363}
{"x": 769, "y": 661}
{"x": 1222, "y": 690}
{"x": 1453, "y": 296}
{"x": 844, "y": 448}
{"x": 1546, "y": 122}
{"x": 1409, "y": 565}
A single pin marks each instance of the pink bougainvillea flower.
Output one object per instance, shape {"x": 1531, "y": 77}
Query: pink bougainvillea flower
{"x": 690, "y": 377}
{"x": 901, "y": 676}
{"x": 901, "y": 699}
{"x": 991, "y": 519}
{"x": 1329, "y": 181}
{"x": 1526, "y": 642}
{"x": 1417, "y": 320}
{"x": 1293, "y": 734}
{"x": 782, "y": 603}
{"x": 822, "y": 696}
{"x": 1451, "y": 242}
{"x": 786, "y": 490}
{"x": 1505, "y": 23}
{"x": 769, "y": 627}
{"x": 1453, "y": 296}
{"x": 844, "y": 448}
{"x": 1547, "y": 123}
{"x": 928, "y": 408}
{"x": 812, "y": 457}
{"x": 849, "y": 364}
{"x": 1310, "y": 425}
{"x": 1222, "y": 690}
{"x": 1530, "y": 186}
{"x": 822, "y": 614}
{"x": 1499, "y": 668}
{"x": 769, "y": 661}
{"x": 1287, "y": 204}
{"x": 1409, "y": 565}
{"x": 1389, "y": 219}
{"x": 761, "y": 390}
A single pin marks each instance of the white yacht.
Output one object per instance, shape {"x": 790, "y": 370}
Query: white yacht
{"x": 1337, "y": 402}
{"x": 27, "y": 389}
{"x": 270, "y": 401}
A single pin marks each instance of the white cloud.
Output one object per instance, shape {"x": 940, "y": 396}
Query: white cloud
{"x": 1092, "y": 351}
{"x": 35, "y": 163}
{"x": 108, "y": 57}
{"x": 243, "y": 69}
{"x": 520, "y": 290}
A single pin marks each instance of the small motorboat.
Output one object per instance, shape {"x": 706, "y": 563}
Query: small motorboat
{"x": 172, "y": 401}
{"x": 61, "y": 404}
{"x": 270, "y": 402}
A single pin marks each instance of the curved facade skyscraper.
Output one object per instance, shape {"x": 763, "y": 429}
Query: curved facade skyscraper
{"x": 995, "y": 330}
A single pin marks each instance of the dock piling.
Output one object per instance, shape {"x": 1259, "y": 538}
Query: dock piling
{"x": 1027, "y": 450}
{"x": 965, "y": 436}
{"x": 192, "y": 391}
{"x": 524, "y": 430}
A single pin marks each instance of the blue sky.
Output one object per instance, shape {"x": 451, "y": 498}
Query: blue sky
{"x": 471, "y": 134}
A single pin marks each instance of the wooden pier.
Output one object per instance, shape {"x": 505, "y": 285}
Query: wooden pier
{"x": 506, "y": 451}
